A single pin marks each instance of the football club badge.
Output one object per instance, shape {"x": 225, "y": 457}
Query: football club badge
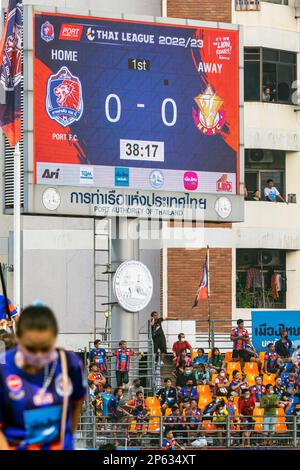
{"x": 47, "y": 32}
{"x": 64, "y": 101}
{"x": 209, "y": 118}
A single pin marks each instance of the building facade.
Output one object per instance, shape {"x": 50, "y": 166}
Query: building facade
{"x": 65, "y": 259}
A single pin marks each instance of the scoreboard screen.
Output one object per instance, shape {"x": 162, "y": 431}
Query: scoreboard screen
{"x": 125, "y": 104}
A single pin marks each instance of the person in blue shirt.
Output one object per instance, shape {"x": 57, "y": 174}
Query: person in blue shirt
{"x": 4, "y": 317}
{"x": 98, "y": 356}
{"x": 33, "y": 412}
{"x": 106, "y": 395}
{"x": 188, "y": 393}
{"x": 200, "y": 358}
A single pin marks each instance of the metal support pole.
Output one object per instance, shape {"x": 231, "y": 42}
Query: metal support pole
{"x": 17, "y": 227}
{"x": 228, "y": 431}
{"x": 161, "y": 431}
{"x": 295, "y": 431}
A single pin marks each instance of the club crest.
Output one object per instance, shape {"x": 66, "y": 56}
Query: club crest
{"x": 64, "y": 101}
{"x": 47, "y": 31}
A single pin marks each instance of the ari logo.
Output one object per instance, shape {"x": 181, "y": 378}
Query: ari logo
{"x": 47, "y": 31}
{"x": 64, "y": 101}
{"x": 122, "y": 177}
{"x": 51, "y": 174}
{"x": 86, "y": 175}
{"x": 190, "y": 180}
{"x": 224, "y": 185}
{"x": 71, "y": 32}
{"x": 156, "y": 179}
{"x": 209, "y": 118}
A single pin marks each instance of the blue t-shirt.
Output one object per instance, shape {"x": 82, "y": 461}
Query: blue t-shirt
{"x": 188, "y": 394}
{"x": 29, "y": 419}
{"x": 105, "y": 400}
{"x": 200, "y": 360}
{"x": 98, "y": 356}
{"x": 11, "y": 307}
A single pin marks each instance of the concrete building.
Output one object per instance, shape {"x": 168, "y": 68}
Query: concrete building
{"x": 64, "y": 258}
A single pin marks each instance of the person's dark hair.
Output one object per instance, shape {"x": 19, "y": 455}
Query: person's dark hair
{"x": 270, "y": 181}
{"x": 122, "y": 342}
{"x": 153, "y": 313}
{"x": 201, "y": 350}
{"x": 202, "y": 366}
{"x": 136, "y": 381}
{"x": 166, "y": 379}
{"x": 239, "y": 321}
{"x": 268, "y": 386}
{"x": 284, "y": 331}
{"x": 97, "y": 341}
{"x": 106, "y": 386}
{"x": 139, "y": 393}
{"x": 183, "y": 351}
{"x": 8, "y": 339}
{"x": 270, "y": 344}
{"x": 180, "y": 334}
{"x": 37, "y": 318}
{"x": 213, "y": 352}
{"x": 116, "y": 391}
{"x": 235, "y": 372}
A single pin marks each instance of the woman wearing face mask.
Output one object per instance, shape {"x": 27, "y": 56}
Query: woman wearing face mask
{"x": 41, "y": 387}
{"x": 221, "y": 384}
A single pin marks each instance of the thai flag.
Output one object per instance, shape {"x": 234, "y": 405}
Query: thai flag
{"x": 202, "y": 293}
{"x": 11, "y": 72}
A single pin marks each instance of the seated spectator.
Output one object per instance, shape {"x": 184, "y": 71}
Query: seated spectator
{"x": 269, "y": 402}
{"x": 258, "y": 390}
{"x": 92, "y": 389}
{"x": 135, "y": 388}
{"x": 167, "y": 395}
{"x": 266, "y": 94}
{"x": 200, "y": 358}
{"x": 285, "y": 403}
{"x": 189, "y": 374}
{"x": 209, "y": 409}
{"x": 237, "y": 383}
{"x": 188, "y": 393}
{"x": 271, "y": 193}
{"x": 98, "y": 356}
{"x": 272, "y": 362}
{"x": 137, "y": 404}
{"x": 246, "y": 408}
{"x": 251, "y": 355}
{"x": 296, "y": 358}
{"x": 201, "y": 374}
{"x": 220, "y": 417}
{"x": 96, "y": 377}
{"x": 174, "y": 421}
{"x": 180, "y": 376}
{"x": 221, "y": 384}
{"x": 193, "y": 416}
{"x": 183, "y": 359}
{"x": 216, "y": 362}
{"x": 180, "y": 346}
{"x": 256, "y": 195}
{"x": 291, "y": 383}
{"x": 231, "y": 407}
{"x": 170, "y": 443}
{"x": 296, "y": 412}
{"x": 279, "y": 388}
{"x": 284, "y": 347}
{"x": 97, "y": 404}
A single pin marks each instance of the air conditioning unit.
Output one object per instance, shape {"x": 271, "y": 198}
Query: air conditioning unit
{"x": 269, "y": 258}
{"x": 261, "y": 156}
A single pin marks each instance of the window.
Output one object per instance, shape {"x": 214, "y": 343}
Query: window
{"x": 261, "y": 278}
{"x": 269, "y": 75}
{"x": 278, "y": 2}
{"x": 261, "y": 165}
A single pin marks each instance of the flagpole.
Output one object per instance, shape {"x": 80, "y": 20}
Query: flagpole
{"x": 208, "y": 299}
{"x": 17, "y": 227}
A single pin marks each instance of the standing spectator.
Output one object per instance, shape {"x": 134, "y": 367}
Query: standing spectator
{"x": 272, "y": 362}
{"x": 135, "y": 388}
{"x": 200, "y": 358}
{"x": 246, "y": 408}
{"x": 98, "y": 356}
{"x": 258, "y": 390}
{"x": 269, "y": 402}
{"x": 271, "y": 192}
{"x": 117, "y": 414}
{"x": 221, "y": 384}
{"x": 180, "y": 345}
{"x": 240, "y": 338}
{"x": 123, "y": 355}
{"x": 188, "y": 393}
{"x": 32, "y": 387}
{"x": 284, "y": 347}
{"x": 6, "y": 322}
{"x": 106, "y": 396}
{"x": 158, "y": 337}
{"x": 216, "y": 362}
{"x": 167, "y": 395}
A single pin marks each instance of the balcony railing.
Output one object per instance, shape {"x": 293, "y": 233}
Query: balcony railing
{"x": 247, "y": 5}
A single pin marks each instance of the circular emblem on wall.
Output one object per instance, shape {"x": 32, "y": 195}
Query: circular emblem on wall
{"x": 223, "y": 207}
{"x": 51, "y": 199}
{"x": 133, "y": 286}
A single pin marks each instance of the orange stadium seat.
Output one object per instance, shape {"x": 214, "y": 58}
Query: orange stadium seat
{"x": 203, "y": 401}
{"x": 213, "y": 378}
{"x": 168, "y": 412}
{"x": 155, "y": 412}
{"x": 251, "y": 379}
{"x": 262, "y": 356}
{"x": 152, "y": 402}
{"x": 251, "y": 368}
{"x": 204, "y": 390}
{"x": 231, "y": 366}
{"x": 154, "y": 425}
{"x": 258, "y": 416}
{"x": 208, "y": 426}
{"x": 194, "y": 355}
{"x": 228, "y": 356}
{"x": 280, "y": 426}
{"x": 269, "y": 379}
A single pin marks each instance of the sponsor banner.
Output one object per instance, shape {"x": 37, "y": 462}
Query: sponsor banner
{"x": 135, "y": 178}
{"x": 124, "y": 202}
{"x": 267, "y": 325}
{"x": 149, "y": 105}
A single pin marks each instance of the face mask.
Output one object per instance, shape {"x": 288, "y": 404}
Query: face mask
{"x": 188, "y": 372}
{"x": 247, "y": 396}
{"x": 182, "y": 339}
{"x": 271, "y": 392}
{"x": 37, "y": 360}
{"x": 222, "y": 375}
